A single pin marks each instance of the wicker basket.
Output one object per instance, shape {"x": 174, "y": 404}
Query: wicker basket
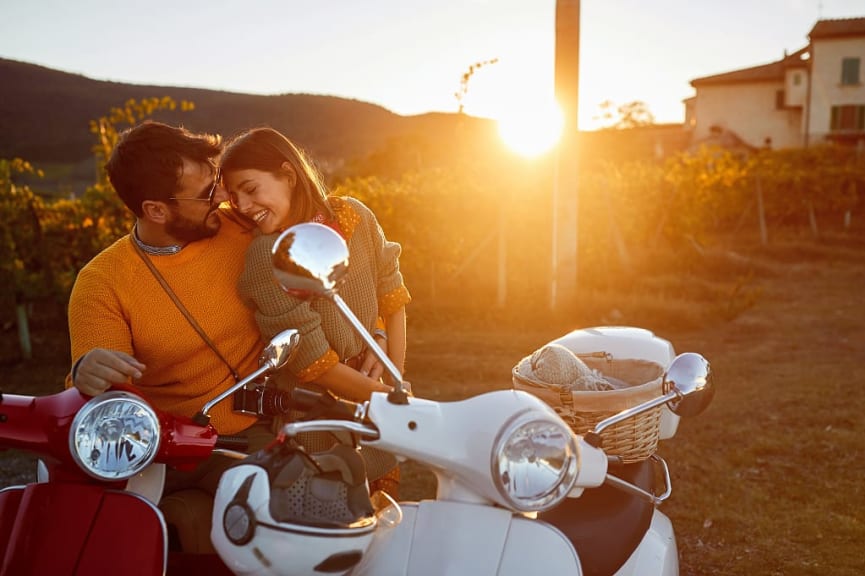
{"x": 634, "y": 439}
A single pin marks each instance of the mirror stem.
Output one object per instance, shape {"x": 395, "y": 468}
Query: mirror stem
{"x": 640, "y": 408}
{"x": 204, "y": 417}
{"x": 370, "y": 342}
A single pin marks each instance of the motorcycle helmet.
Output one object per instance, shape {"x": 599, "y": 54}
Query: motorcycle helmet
{"x": 285, "y": 512}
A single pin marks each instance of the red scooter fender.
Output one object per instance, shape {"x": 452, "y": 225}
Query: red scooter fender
{"x": 40, "y": 425}
{"x": 66, "y": 529}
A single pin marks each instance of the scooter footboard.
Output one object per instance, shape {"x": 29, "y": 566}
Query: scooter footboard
{"x": 437, "y": 537}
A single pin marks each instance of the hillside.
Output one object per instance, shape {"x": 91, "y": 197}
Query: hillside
{"x": 45, "y": 113}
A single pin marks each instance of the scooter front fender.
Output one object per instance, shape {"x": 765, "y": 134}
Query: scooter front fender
{"x": 440, "y": 537}
{"x": 657, "y": 553}
{"x": 79, "y": 530}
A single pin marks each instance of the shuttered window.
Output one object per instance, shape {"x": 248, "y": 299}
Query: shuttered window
{"x": 850, "y": 71}
{"x": 848, "y": 118}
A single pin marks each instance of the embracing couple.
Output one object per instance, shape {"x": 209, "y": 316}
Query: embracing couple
{"x": 181, "y": 306}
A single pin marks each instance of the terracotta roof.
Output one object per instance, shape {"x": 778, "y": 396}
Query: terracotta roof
{"x": 774, "y": 71}
{"x": 838, "y": 28}
{"x": 771, "y": 72}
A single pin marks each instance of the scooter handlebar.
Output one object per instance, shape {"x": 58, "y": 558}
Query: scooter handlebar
{"x": 325, "y": 405}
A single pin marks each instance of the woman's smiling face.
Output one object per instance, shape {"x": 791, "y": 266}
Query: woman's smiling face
{"x": 263, "y": 196}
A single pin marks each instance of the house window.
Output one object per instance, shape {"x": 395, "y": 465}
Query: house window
{"x": 779, "y": 100}
{"x": 849, "y": 71}
{"x": 797, "y": 79}
{"x": 850, "y": 118}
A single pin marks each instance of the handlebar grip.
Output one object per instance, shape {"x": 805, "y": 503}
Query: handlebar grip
{"x": 323, "y": 404}
{"x": 240, "y": 443}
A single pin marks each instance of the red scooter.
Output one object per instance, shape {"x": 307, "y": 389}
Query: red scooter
{"x": 102, "y": 468}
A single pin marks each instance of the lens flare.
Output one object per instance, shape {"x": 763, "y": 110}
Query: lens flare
{"x": 531, "y": 131}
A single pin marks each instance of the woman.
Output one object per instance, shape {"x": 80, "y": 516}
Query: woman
{"x": 270, "y": 182}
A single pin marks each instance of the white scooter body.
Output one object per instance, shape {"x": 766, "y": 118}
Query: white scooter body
{"x": 469, "y": 528}
{"x": 446, "y": 536}
{"x": 657, "y": 553}
{"x": 511, "y": 473}
{"x": 440, "y": 537}
{"x": 466, "y": 530}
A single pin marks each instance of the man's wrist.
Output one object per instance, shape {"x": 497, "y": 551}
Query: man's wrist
{"x": 75, "y": 367}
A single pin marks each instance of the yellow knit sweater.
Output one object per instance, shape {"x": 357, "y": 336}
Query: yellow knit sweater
{"x": 117, "y": 303}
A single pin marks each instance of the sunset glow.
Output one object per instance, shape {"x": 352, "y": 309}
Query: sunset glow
{"x": 532, "y": 131}
{"x": 409, "y": 56}
{"x": 517, "y": 91}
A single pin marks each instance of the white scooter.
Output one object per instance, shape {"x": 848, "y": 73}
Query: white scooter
{"x": 518, "y": 492}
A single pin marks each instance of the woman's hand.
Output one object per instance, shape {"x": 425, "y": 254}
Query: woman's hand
{"x": 371, "y": 366}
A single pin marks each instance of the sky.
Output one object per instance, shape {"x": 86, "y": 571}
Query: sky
{"x": 409, "y": 55}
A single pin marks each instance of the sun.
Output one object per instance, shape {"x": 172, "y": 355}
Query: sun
{"x": 518, "y": 94}
{"x": 533, "y": 130}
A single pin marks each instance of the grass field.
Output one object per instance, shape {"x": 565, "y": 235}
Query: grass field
{"x": 769, "y": 480}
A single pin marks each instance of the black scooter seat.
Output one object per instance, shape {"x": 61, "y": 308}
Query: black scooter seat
{"x": 606, "y": 524}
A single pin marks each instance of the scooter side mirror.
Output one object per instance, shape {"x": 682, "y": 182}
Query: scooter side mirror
{"x": 691, "y": 377}
{"x": 275, "y": 355}
{"x": 310, "y": 258}
{"x": 280, "y": 349}
{"x": 688, "y": 390}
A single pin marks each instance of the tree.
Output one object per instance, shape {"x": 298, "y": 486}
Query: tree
{"x": 634, "y": 114}
{"x": 48, "y": 241}
{"x": 460, "y": 94}
{"x": 23, "y": 269}
{"x": 631, "y": 115}
{"x": 606, "y": 114}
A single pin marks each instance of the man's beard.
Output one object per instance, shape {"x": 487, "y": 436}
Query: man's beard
{"x": 186, "y": 230}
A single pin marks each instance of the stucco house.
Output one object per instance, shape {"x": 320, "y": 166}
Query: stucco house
{"x": 812, "y": 95}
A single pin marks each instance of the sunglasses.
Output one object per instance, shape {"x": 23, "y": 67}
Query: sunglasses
{"x": 210, "y": 191}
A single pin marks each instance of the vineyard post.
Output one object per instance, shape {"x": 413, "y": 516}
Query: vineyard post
{"x": 761, "y": 213}
{"x": 564, "y": 249}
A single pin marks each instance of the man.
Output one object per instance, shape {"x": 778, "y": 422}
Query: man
{"x": 124, "y": 325}
{"x": 126, "y": 328}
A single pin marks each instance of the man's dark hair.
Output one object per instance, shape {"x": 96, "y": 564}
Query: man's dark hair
{"x": 147, "y": 162}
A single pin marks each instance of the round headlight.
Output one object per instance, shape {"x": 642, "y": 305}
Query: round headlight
{"x": 535, "y": 462}
{"x": 114, "y": 436}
